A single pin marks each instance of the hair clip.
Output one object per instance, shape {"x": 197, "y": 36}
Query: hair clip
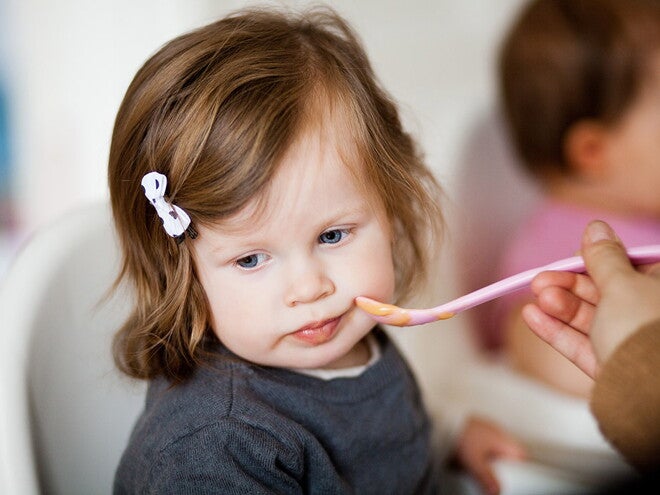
{"x": 175, "y": 221}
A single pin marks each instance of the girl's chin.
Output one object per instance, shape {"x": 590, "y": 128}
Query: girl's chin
{"x": 357, "y": 355}
{"x": 329, "y": 357}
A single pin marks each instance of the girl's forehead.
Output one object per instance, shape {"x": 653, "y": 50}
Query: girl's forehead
{"x": 329, "y": 135}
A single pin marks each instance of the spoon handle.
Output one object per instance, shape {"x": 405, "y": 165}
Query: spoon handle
{"x": 394, "y": 315}
{"x": 638, "y": 256}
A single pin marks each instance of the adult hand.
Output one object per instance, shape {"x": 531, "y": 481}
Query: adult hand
{"x": 586, "y": 317}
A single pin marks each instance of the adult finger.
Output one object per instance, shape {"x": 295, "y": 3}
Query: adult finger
{"x": 604, "y": 254}
{"x": 567, "y": 307}
{"x": 580, "y": 285}
{"x": 571, "y": 343}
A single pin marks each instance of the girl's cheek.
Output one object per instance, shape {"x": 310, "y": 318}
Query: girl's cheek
{"x": 382, "y": 279}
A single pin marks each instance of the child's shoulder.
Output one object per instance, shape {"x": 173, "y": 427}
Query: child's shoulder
{"x": 216, "y": 394}
{"x": 209, "y": 416}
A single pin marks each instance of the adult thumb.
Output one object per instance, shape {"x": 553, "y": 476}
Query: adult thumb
{"x": 604, "y": 255}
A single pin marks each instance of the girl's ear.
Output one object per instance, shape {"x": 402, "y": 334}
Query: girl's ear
{"x": 585, "y": 149}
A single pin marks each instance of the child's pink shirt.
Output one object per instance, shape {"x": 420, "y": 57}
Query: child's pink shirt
{"x": 554, "y": 231}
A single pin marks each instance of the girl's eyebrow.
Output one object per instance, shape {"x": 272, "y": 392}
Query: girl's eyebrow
{"x": 230, "y": 244}
{"x": 338, "y": 216}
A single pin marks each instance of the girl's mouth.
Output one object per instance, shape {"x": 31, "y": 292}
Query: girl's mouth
{"x": 318, "y": 332}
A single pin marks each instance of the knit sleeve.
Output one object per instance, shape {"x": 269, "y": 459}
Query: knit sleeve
{"x": 227, "y": 457}
{"x": 626, "y": 398}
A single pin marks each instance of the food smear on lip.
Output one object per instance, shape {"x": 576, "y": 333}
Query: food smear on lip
{"x": 318, "y": 333}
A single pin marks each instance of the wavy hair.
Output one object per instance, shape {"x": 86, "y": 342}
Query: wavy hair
{"x": 215, "y": 110}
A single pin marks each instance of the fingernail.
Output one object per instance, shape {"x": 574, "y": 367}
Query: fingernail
{"x": 600, "y": 231}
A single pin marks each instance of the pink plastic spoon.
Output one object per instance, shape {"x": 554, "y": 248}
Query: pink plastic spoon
{"x": 390, "y": 314}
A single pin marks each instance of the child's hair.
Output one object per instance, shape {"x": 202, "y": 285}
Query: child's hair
{"x": 568, "y": 60}
{"x": 215, "y": 110}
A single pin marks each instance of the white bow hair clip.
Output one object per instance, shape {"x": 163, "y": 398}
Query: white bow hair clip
{"x": 175, "y": 221}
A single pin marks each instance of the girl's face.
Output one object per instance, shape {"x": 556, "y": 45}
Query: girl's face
{"x": 281, "y": 280}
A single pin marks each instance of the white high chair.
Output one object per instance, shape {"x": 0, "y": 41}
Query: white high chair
{"x": 65, "y": 411}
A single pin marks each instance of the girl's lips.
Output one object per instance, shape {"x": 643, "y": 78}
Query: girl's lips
{"x": 319, "y": 332}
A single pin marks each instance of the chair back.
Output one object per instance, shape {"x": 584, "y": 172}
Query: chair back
{"x": 66, "y": 412}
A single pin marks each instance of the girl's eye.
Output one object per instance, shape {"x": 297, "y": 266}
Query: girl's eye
{"x": 333, "y": 236}
{"x": 251, "y": 260}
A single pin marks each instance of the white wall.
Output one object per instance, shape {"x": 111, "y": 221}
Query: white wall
{"x": 73, "y": 59}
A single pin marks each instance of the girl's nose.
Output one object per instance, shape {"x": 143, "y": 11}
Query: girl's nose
{"x": 308, "y": 283}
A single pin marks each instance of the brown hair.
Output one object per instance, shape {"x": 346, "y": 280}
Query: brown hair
{"x": 568, "y": 60}
{"x": 215, "y": 110}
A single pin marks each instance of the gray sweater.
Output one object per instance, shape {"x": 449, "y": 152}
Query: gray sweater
{"x": 235, "y": 427}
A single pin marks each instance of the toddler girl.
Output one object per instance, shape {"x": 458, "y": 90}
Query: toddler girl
{"x": 279, "y": 186}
